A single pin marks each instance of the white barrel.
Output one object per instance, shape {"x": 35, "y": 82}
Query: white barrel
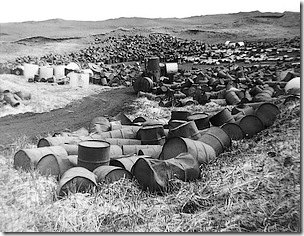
{"x": 45, "y": 72}
{"x": 171, "y": 68}
{"x": 74, "y": 79}
{"x": 294, "y": 83}
{"x": 84, "y": 80}
{"x": 30, "y": 70}
{"x": 59, "y": 71}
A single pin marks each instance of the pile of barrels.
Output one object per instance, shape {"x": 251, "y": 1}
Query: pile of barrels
{"x": 127, "y": 48}
{"x": 12, "y": 98}
{"x": 109, "y": 149}
{"x": 223, "y": 85}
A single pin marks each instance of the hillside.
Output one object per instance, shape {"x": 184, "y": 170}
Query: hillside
{"x": 245, "y": 23}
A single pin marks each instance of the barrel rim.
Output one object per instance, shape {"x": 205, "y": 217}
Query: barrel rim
{"x": 94, "y": 140}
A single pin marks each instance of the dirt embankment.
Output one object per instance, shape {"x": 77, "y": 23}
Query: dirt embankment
{"x": 74, "y": 116}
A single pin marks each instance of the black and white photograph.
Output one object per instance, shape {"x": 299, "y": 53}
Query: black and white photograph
{"x": 161, "y": 116}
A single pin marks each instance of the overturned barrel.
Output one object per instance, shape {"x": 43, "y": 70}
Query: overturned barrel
{"x": 267, "y": 113}
{"x": 222, "y": 117}
{"x": 111, "y": 174}
{"x": 203, "y": 152}
{"x": 186, "y": 130}
{"x": 76, "y": 179}
{"x": 144, "y": 84}
{"x": 217, "y": 138}
{"x": 251, "y": 125}
{"x": 28, "y": 158}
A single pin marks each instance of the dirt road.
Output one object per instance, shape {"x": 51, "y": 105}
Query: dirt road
{"x": 74, "y": 116}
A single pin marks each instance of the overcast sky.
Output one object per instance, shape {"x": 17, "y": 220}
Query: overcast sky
{"x": 93, "y": 10}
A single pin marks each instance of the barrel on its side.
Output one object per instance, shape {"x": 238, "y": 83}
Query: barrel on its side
{"x": 111, "y": 174}
{"x": 203, "y": 152}
{"x": 251, "y": 125}
{"x": 27, "y": 159}
{"x": 267, "y": 113}
{"x": 234, "y": 131}
{"x": 222, "y": 117}
{"x": 144, "y": 84}
{"x": 216, "y": 138}
{"x": 186, "y": 130}
{"x": 76, "y": 179}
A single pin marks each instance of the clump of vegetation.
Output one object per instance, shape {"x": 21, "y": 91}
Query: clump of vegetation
{"x": 252, "y": 187}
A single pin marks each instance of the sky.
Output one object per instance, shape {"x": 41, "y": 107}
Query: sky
{"x": 94, "y": 10}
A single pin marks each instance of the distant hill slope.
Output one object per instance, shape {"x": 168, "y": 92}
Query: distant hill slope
{"x": 242, "y": 24}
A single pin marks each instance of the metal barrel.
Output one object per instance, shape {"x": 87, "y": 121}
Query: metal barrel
{"x": 93, "y": 153}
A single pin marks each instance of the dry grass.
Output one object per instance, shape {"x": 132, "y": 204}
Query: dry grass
{"x": 45, "y": 96}
{"x": 252, "y": 187}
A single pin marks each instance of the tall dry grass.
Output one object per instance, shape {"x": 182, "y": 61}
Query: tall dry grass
{"x": 252, "y": 187}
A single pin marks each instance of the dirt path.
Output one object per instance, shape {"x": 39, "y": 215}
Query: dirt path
{"x": 73, "y": 116}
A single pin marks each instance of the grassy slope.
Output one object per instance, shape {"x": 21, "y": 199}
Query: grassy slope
{"x": 252, "y": 187}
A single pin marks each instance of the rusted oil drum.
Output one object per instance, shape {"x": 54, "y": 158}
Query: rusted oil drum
{"x": 251, "y": 125}
{"x": 153, "y": 68}
{"x": 180, "y": 115}
{"x": 144, "y": 84}
{"x": 217, "y": 138}
{"x": 28, "y": 158}
{"x": 201, "y": 120}
{"x": 267, "y": 112}
{"x": 222, "y": 117}
{"x": 111, "y": 174}
{"x": 232, "y": 98}
{"x": 76, "y": 179}
{"x": 234, "y": 131}
{"x": 203, "y": 152}
{"x": 153, "y": 135}
{"x": 265, "y": 95}
{"x": 186, "y": 130}
{"x": 93, "y": 153}
{"x": 125, "y": 162}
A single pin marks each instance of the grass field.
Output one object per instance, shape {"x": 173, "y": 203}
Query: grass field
{"x": 252, "y": 187}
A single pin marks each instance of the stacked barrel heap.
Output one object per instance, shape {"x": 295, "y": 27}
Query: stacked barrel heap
{"x": 150, "y": 151}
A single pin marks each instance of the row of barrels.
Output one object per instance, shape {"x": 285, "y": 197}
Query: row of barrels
{"x": 124, "y": 149}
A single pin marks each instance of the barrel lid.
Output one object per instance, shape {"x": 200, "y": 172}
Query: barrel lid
{"x": 94, "y": 144}
{"x": 198, "y": 116}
